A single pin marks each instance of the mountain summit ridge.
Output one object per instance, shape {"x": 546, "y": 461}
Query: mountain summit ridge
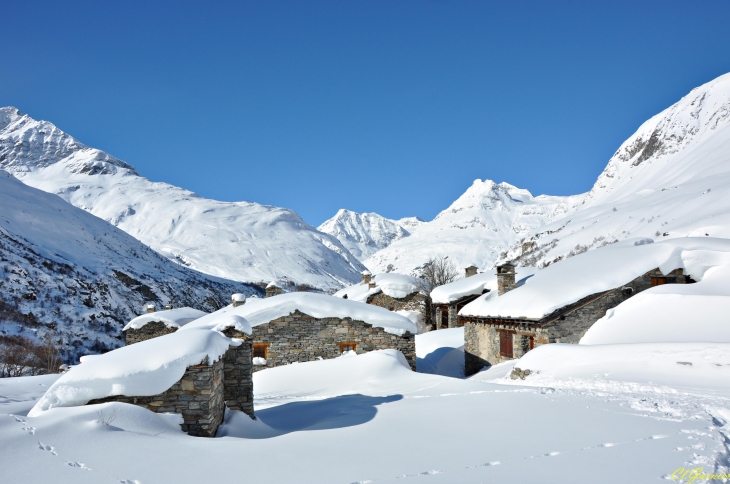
{"x": 241, "y": 241}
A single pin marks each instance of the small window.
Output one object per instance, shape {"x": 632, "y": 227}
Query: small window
{"x": 345, "y": 347}
{"x": 505, "y": 344}
{"x": 261, "y": 350}
{"x": 658, "y": 281}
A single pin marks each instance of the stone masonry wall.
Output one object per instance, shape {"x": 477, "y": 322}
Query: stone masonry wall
{"x": 148, "y": 331}
{"x": 198, "y": 397}
{"x": 238, "y": 374}
{"x": 412, "y": 302}
{"x": 300, "y": 337}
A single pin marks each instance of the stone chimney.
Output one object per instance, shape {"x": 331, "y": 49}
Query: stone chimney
{"x": 238, "y": 299}
{"x": 366, "y": 277}
{"x": 272, "y": 289}
{"x": 371, "y": 284}
{"x": 149, "y": 308}
{"x": 505, "y": 278}
{"x": 470, "y": 271}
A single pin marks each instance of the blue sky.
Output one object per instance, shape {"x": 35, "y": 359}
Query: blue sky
{"x": 386, "y": 106}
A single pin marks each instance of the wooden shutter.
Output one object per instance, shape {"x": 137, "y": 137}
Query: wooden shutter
{"x": 658, "y": 281}
{"x": 505, "y": 344}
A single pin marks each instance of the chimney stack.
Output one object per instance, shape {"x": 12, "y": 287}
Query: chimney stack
{"x": 371, "y": 285}
{"x": 471, "y": 271}
{"x": 238, "y": 299}
{"x": 168, "y": 306}
{"x": 505, "y": 278}
{"x": 150, "y": 308}
{"x": 366, "y": 277}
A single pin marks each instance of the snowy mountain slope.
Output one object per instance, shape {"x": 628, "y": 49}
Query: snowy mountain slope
{"x": 363, "y": 234}
{"x": 670, "y": 179}
{"x": 475, "y": 229}
{"x": 65, "y": 270}
{"x": 240, "y": 241}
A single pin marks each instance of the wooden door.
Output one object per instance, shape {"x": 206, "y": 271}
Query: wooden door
{"x": 505, "y": 344}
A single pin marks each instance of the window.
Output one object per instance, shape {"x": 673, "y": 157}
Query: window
{"x": 658, "y": 281}
{"x": 345, "y": 347}
{"x": 261, "y": 350}
{"x": 505, "y": 344}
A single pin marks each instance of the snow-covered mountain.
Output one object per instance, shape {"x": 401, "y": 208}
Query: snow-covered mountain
{"x": 63, "y": 269}
{"x": 486, "y": 220}
{"x": 363, "y": 234}
{"x": 669, "y": 179}
{"x": 240, "y": 241}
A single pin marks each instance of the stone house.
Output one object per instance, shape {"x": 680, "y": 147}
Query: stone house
{"x": 272, "y": 289}
{"x": 300, "y": 326}
{"x": 394, "y": 292}
{"x": 449, "y": 299}
{"x": 558, "y": 306}
{"x": 207, "y": 388}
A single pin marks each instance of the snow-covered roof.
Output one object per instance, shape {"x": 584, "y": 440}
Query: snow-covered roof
{"x": 238, "y": 297}
{"x": 393, "y": 285}
{"x": 142, "y": 369}
{"x": 474, "y": 285}
{"x": 366, "y": 273}
{"x": 272, "y": 284}
{"x": 262, "y": 311}
{"x": 597, "y": 271}
{"x": 173, "y": 318}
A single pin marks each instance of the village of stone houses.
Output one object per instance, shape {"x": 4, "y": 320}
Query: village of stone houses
{"x": 151, "y": 335}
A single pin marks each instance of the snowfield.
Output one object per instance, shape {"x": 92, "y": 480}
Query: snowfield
{"x": 368, "y": 418}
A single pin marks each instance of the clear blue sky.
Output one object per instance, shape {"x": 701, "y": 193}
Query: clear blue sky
{"x": 387, "y": 106}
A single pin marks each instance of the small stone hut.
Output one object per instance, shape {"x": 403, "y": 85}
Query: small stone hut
{"x": 272, "y": 289}
{"x": 394, "y": 292}
{"x": 558, "y": 305}
{"x": 158, "y": 323}
{"x": 301, "y": 326}
{"x": 217, "y": 375}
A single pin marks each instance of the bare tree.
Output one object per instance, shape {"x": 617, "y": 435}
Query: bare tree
{"x": 48, "y": 354}
{"x": 438, "y": 271}
{"x": 20, "y": 356}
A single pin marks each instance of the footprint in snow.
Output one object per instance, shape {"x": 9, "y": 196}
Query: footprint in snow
{"x": 493, "y": 463}
{"x": 135, "y": 481}
{"x": 552, "y": 454}
{"x": 49, "y": 448}
{"x": 29, "y": 429}
{"x": 608, "y": 444}
{"x": 79, "y": 465}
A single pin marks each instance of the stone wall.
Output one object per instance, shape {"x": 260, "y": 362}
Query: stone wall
{"x": 567, "y": 325}
{"x": 198, "y": 397}
{"x": 238, "y": 374}
{"x": 412, "y": 302}
{"x": 300, "y": 337}
{"x": 148, "y": 331}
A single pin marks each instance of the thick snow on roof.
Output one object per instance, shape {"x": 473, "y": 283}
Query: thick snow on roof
{"x": 599, "y": 270}
{"x": 470, "y": 286}
{"x": 671, "y": 313}
{"x": 238, "y": 297}
{"x": 173, "y": 318}
{"x": 142, "y": 369}
{"x": 393, "y": 285}
{"x": 262, "y": 311}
